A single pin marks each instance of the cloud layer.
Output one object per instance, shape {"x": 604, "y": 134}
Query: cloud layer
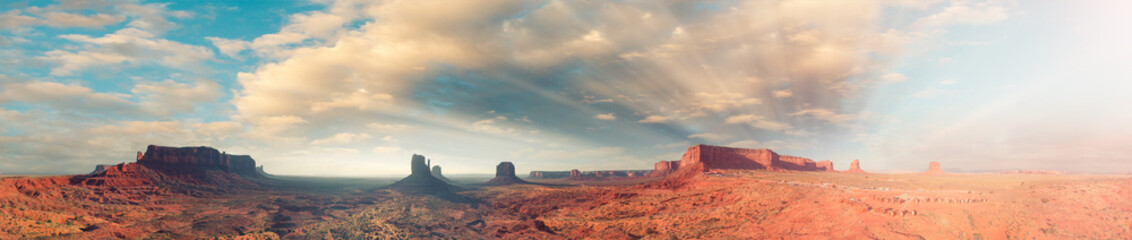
{"x": 547, "y": 84}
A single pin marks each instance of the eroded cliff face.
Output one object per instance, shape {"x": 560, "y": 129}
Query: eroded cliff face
{"x": 663, "y": 168}
{"x": 719, "y": 157}
{"x": 179, "y": 160}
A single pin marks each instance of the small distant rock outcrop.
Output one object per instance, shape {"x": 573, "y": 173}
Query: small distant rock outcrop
{"x": 505, "y": 175}
{"x": 549, "y": 174}
{"x": 855, "y": 167}
{"x": 421, "y": 179}
{"x": 933, "y": 169}
{"x": 439, "y": 175}
{"x": 1033, "y": 172}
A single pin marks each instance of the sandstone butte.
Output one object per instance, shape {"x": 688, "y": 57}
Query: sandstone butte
{"x": 505, "y": 175}
{"x": 855, "y": 167}
{"x": 718, "y": 157}
{"x": 438, "y": 174}
{"x": 421, "y": 179}
{"x": 933, "y": 168}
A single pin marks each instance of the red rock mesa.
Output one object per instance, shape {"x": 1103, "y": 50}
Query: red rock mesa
{"x": 718, "y": 157}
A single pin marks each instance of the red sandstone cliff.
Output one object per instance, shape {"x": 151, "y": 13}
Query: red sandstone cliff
{"x": 663, "y": 168}
{"x": 718, "y": 157}
{"x": 195, "y": 159}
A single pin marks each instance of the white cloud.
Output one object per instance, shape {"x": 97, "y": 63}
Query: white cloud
{"x": 894, "y": 77}
{"x": 605, "y": 116}
{"x": 655, "y": 119}
{"x": 66, "y": 97}
{"x": 127, "y": 46}
{"x": 229, "y": 47}
{"x": 341, "y": 138}
{"x": 723, "y": 101}
{"x": 12, "y": 19}
{"x": 712, "y": 137}
{"x": 758, "y": 122}
{"x": 785, "y": 93}
{"x": 386, "y": 149}
{"x": 825, "y": 115}
{"x": 173, "y": 97}
{"x": 62, "y": 19}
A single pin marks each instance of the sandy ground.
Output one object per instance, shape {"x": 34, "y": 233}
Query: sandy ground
{"x": 717, "y": 205}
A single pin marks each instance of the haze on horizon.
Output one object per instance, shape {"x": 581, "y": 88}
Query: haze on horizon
{"x": 353, "y": 88}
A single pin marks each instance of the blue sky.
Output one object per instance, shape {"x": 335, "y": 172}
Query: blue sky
{"x": 352, "y": 88}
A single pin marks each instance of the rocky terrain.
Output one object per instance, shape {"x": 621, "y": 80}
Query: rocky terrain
{"x": 716, "y": 195}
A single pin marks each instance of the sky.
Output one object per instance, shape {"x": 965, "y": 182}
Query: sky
{"x": 355, "y": 87}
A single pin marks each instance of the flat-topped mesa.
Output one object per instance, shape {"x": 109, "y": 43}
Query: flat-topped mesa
{"x": 664, "y": 168}
{"x": 182, "y": 159}
{"x": 505, "y": 175}
{"x": 933, "y": 168}
{"x": 855, "y": 167}
{"x": 719, "y": 157}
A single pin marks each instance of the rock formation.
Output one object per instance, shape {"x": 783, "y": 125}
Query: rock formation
{"x": 438, "y": 175}
{"x": 663, "y": 168}
{"x": 718, "y": 157}
{"x": 575, "y": 173}
{"x": 855, "y": 167}
{"x": 933, "y": 168}
{"x": 421, "y": 179}
{"x": 826, "y": 165}
{"x": 193, "y": 160}
{"x": 549, "y": 174}
{"x": 505, "y": 175}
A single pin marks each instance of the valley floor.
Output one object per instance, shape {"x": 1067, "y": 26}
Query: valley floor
{"x": 717, "y": 205}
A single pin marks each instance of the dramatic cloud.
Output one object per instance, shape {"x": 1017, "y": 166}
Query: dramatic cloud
{"x": 126, "y": 47}
{"x": 551, "y": 85}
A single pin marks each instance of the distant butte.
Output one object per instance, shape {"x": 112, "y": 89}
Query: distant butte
{"x": 855, "y": 167}
{"x": 933, "y": 169}
{"x": 421, "y": 179}
{"x": 439, "y": 175}
{"x": 505, "y": 175}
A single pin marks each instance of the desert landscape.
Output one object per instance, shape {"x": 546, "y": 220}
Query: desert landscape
{"x": 714, "y": 193}
{"x": 565, "y": 119}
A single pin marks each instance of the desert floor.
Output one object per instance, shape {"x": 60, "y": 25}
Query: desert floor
{"x": 716, "y": 205}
